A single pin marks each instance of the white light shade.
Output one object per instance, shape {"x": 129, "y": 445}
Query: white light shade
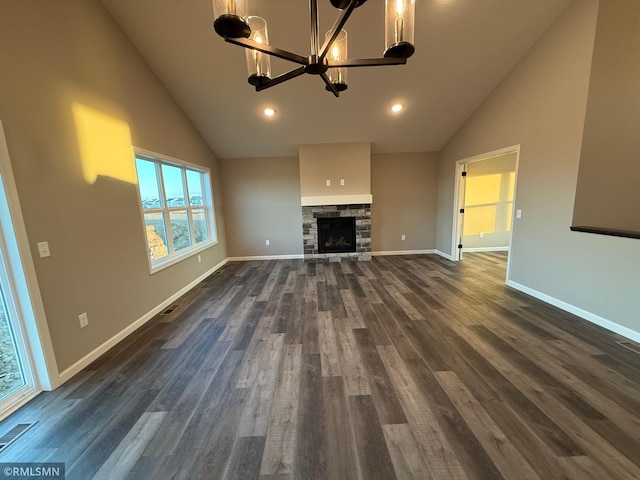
{"x": 258, "y": 63}
{"x": 399, "y": 28}
{"x": 338, "y": 51}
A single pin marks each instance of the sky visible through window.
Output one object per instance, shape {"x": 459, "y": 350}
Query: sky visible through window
{"x": 172, "y": 181}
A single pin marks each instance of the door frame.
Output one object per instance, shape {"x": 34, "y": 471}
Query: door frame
{"x": 24, "y": 283}
{"x": 459, "y": 168}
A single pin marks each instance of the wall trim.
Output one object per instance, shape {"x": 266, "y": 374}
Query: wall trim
{"x": 484, "y": 249}
{"x": 402, "y": 252}
{"x": 266, "y": 257}
{"x": 584, "y": 314}
{"x": 91, "y": 356}
{"x": 445, "y": 255}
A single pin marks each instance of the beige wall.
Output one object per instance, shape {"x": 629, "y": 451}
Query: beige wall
{"x": 608, "y": 194}
{"x": 335, "y": 161}
{"x": 75, "y": 96}
{"x": 262, "y": 202}
{"x": 405, "y": 190}
{"x": 541, "y": 106}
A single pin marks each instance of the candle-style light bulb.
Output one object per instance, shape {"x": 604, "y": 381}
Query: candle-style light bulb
{"x": 258, "y": 55}
{"x": 399, "y": 20}
{"x": 335, "y": 52}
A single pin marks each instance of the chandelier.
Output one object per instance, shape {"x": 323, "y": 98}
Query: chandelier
{"x": 328, "y": 60}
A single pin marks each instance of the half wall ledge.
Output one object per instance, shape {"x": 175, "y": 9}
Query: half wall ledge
{"x": 606, "y": 231}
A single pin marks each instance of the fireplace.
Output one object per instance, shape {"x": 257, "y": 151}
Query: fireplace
{"x": 348, "y": 237}
{"x": 336, "y": 234}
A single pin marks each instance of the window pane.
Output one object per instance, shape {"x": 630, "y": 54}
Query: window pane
{"x": 148, "y": 184}
{"x": 173, "y": 186}
{"x": 200, "y": 225}
{"x": 156, "y": 235}
{"x": 194, "y": 184}
{"x": 11, "y": 376}
{"x": 180, "y": 230}
{"x": 483, "y": 189}
{"x": 479, "y": 220}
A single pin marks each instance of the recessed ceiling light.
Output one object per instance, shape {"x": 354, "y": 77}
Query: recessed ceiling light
{"x": 397, "y": 107}
{"x": 269, "y": 112}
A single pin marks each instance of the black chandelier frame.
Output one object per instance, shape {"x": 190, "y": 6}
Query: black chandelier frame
{"x": 234, "y": 30}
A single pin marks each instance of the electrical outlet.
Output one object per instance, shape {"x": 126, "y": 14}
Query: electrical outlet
{"x": 84, "y": 320}
{"x": 267, "y": 243}
{"x": 43, "y": 249}
{"x": 199, "y": 258}
{"x": 328, "y": 183}
{"x": 403, "y": 237}
{"x": 342, "y": 182}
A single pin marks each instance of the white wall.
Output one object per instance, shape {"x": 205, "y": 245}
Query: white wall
{"x": 541, "y": 106}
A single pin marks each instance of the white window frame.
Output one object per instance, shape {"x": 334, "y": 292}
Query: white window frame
{"x": 173, "y": 257}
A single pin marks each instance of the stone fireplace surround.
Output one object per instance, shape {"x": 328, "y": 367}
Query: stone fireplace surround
{"x": 362, "y": 214}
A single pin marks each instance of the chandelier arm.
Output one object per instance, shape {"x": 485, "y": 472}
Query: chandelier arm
{"x": 330, "y": 85}
{"x": 366, "y": 62}
{"x": 268, "y": 49}
{"x": 281, "y": 78}
{"x": 335, "y": 30}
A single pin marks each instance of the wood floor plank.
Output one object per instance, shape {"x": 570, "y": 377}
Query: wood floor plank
{"x": 405, "y": 453}
{"x": 129, "y": 450}
{"x": 341, "y": 443}
{"x": 431, "y": 439}
{"x": 401, "y": 367}
{"x": 353, "y": 370}
{"x": 329, "y": 354}
{"x": 506, "y": 457}
{"x": 257, "y": 408}
{"x": 311, "y": 450}
{"x": 375, "y": 460}
{"x": 279, "y": 450}
{"x": 385, "y": 397}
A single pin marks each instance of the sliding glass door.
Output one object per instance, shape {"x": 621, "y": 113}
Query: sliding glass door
{"x": 16, "y": 379}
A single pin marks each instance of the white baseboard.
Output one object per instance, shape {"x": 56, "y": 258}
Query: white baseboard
{"x": 445, "y": 255}
{"x": 402, "y": 252}
{"x": 484, "y": 249}
{"x": 266, "y": 257}
{"x": 584, "y": 314}
{"x": 90, "y": 357}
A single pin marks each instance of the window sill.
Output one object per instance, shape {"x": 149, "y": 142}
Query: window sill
{"x": 161, "y": 265}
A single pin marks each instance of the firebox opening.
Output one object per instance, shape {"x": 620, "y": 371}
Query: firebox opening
{"x": 336, "y": 234}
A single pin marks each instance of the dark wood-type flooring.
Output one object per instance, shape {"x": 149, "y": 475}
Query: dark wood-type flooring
{"x": 402, "y": 367}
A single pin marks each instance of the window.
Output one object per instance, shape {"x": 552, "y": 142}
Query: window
{"x": 177, "y": 208}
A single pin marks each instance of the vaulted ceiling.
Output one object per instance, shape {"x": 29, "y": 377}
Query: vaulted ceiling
{"x": 464, "y": 48}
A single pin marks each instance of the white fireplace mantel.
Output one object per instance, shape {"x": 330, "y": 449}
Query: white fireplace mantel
{"x": 336, "y": 200}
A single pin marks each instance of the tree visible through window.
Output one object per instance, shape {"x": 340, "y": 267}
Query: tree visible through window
{"x": 177, "y": 207}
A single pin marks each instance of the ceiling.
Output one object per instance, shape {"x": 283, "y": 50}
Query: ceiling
{"x": 464, "y": 48}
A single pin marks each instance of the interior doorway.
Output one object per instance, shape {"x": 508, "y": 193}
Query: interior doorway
{"x": 485, "y": 199}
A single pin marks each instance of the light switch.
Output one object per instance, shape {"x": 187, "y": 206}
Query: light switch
{"x": 328, "y": 183}
{"x": 43, "y": 248}
{"x": 518, "y": 213}
{"x": 342, "y": 182}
